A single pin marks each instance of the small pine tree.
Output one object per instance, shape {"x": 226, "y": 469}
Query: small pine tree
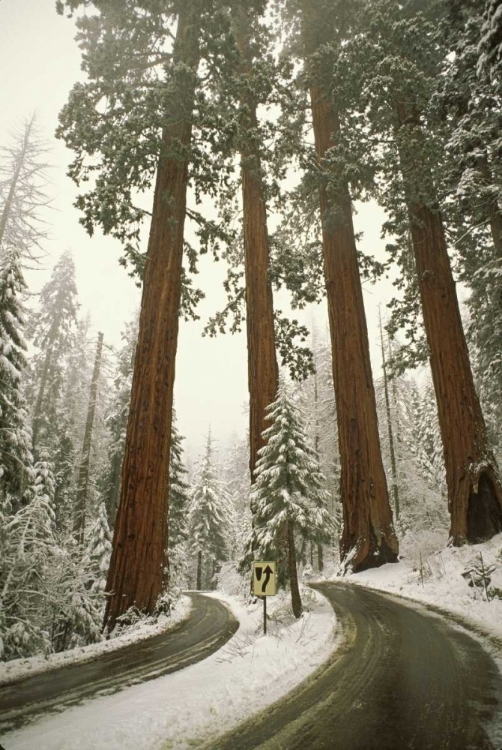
{"x": 288, "y": 495}
{"x": 98, "y": 552}
{"x": 208, "y": 523}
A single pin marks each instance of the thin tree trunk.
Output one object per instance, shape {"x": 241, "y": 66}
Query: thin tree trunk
{"x": 199, "y": 570}
{"x": 80, "y": 511}
{"x": 37, "y": 411}
{"x": 296, "y": 602}
{"x": 390, "y": 431}
{"x": 136, "y": 574}
{"x": 262, "y": 362}
{"x": 368, "y": 538}
{"x": 320, "y": 558}
{"x": 474, "y": 491}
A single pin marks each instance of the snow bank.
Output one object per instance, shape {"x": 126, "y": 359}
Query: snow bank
{"x": 437, "y": 579}
{"x": 19, "y": 668}
{"x": 188, "y": 707}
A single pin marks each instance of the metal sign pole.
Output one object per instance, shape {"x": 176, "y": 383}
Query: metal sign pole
{"x": 264, "y": 615}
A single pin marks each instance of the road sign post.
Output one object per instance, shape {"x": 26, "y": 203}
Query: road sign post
{"x": 265, "y": 584}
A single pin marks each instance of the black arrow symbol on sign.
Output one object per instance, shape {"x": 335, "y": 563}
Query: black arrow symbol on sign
{"x": 268, "y": 572}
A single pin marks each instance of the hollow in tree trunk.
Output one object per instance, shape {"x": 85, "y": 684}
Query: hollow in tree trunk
{"x": 137, "y": 565}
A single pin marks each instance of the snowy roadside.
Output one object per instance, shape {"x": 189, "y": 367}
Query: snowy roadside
{"x": 436, "y": 579}
{"x": 19, "y": 668}
{"x": 189, "y": 707}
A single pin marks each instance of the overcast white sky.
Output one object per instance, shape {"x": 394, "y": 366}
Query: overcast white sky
{"x": 39, "y": 62}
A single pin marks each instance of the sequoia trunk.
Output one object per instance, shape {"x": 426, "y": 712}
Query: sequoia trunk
{"x": 368, "y": 537}
{"x": 262, "y": 362}
{"x": 136, "y": 573}
{"x": 474, "y": 491}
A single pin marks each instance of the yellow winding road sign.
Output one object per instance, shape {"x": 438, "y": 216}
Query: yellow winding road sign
{"x": 264, "y": 578}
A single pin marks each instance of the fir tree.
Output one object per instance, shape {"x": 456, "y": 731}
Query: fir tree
{"x": 22, "y": 192}
{"x": 24, "y": 567}
{"x": 288, "y": 494}
{"x": 116, "y": 418}
{"x": 53, "y": 332}
{"x": 208, "y": 524}
{"x": 16, "y": 461}
{"x": 97, "y": 553}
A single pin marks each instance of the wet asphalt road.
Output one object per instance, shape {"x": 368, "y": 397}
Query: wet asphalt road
{"x": 402, "y": 680}
{"x": 208, "y": 628}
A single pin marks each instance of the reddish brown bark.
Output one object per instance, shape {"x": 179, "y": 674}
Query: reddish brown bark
{"x": 262, "y": 362}
{"x": 368, "y": 537}
{"x": 474, "y": 490}
{"x": 136, "y": 573}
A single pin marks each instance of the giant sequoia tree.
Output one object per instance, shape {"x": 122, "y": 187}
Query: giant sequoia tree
{"x": 150, "y": 96}
{"x": 262, "y": 363}
{"x": 394, "y": 77}
{"x": 368, "y": 537}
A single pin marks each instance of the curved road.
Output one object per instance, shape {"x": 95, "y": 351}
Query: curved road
{"x": 208, "y": 627}
{"x": 400, "y": 681}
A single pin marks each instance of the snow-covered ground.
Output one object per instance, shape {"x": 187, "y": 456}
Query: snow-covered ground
{"x": 183, "y": 709}
{"x": 436, "y": 578}
{"x": 18, "y": 668}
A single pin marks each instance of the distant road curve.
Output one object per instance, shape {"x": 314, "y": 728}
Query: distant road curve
{"x": 209, "y": 626}
{"x": 402, "y": 680}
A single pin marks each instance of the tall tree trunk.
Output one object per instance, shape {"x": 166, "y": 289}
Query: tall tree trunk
{"x": 262, "y": 362}
{"x": 296, "y": 602}
{"x": 37, "y": 410}
{"x": 368, "y": 538}
{"x": 320, "y": 558}
{"x": 136, "y": 572}
{"x": 199, "y": 570}
{"x": 390, "y": 430}
{"x": 474, "y": 490}
{"x": 79, "y": 516}
{"x": 7, "y": 208}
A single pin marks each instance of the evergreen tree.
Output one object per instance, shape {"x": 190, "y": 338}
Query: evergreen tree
{"x": 116, "y": 421}
{"x": 28, "y": 546}
{"x": 319, "y": 35}
{"x": 209, "y": 520}
{"x": 53, "y": 333}
{"x": 16, "y": 461}
{"x": 81, "y": 499}
{"x": 288, "y": 494}
{"x": 397, "y": 106}
{"x": 98, "y": 551}
{"x": 22, "y": 192}
{"x": 179, "y": 504}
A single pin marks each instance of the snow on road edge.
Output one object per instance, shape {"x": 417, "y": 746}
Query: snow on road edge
{"x": 16, "y": 669}
{"x": 189, "y": 707}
